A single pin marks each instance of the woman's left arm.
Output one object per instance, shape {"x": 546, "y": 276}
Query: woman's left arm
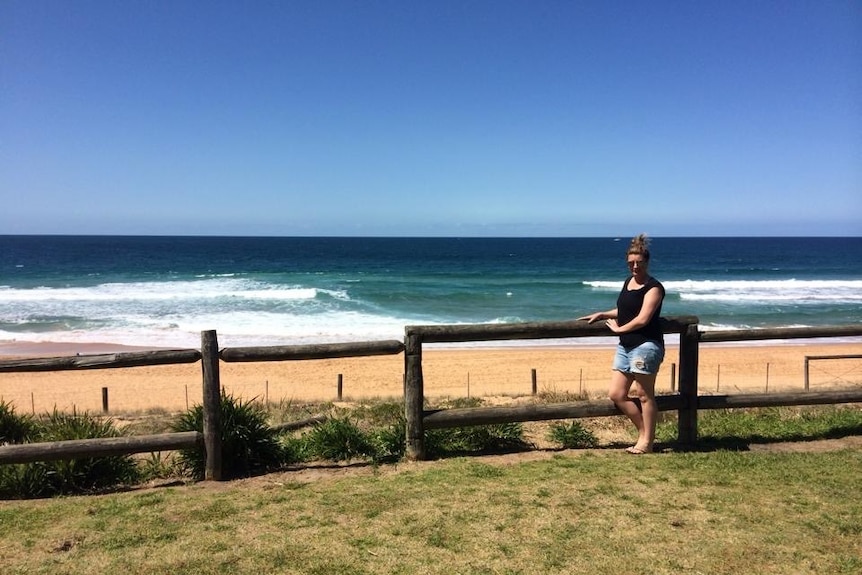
{"x": 652, "y": 300}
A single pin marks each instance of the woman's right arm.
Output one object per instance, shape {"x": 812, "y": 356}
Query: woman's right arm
{"x": 600, "y": 315}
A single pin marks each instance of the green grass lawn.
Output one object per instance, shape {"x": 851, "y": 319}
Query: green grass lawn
{"x": 722, "y": 509}
{"x": 596, "y": 511}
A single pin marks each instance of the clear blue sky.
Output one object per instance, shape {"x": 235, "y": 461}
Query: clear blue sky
{"x": 453, "y": 118}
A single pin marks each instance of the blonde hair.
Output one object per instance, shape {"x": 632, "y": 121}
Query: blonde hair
{"x": 639, "y": 246}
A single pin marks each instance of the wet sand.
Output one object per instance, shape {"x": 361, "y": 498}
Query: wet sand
{"x": 477, "y": 372}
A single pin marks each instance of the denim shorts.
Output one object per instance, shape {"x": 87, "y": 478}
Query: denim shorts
{"x": 645, "y": 358}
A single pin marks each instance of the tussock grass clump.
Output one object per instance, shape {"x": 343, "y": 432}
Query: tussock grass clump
{"x": 249, "y": 444}
{"x": 15, "y": 428}
{"x": 497, "y": 438}
{"x": 376, "y": 432}
{"x": 49, "y": 478}
{"x": 390, "y": 441}
{"x": 386, "y": 429}
{"x": 337, "y": 439}
{"x": 572, "y": 435}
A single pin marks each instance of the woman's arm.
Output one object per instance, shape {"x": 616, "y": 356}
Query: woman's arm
{"x": 600, "y": 315}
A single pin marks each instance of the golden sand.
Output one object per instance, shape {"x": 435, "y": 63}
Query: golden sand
{"x": 447, "y": 373}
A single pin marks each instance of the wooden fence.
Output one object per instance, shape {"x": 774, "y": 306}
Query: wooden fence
{"x": 686, "y": 401}
{"x": 209, "y": 356}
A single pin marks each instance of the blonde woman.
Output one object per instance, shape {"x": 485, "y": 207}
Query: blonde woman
{"x": 641, "y": 345}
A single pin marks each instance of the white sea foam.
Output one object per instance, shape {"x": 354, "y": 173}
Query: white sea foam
{"x": 234, "y": 328}
{"x": 164, "y": 291}
{"x": 247, "y": 311}
{"x": 174, "y": 313}
{"x": 750, "y": 291}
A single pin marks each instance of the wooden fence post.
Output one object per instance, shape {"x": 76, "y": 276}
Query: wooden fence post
{"x": 673, "y": 377}
{"x": 211, "y": 406}
{"x": 414, "y": 397}
{"x": 688, "y": 361}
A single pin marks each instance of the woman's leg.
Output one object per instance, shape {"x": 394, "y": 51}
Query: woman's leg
{"x": 621, "y": 383}
{"x": 645, "y": 387}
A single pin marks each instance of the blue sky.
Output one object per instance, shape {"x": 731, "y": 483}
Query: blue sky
{"x": 450, "y": 118}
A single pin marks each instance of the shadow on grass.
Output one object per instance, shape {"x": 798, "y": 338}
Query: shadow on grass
{"x": 709, "y": 443}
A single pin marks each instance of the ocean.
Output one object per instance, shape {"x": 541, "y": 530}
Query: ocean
{"x": 163, "y": 291}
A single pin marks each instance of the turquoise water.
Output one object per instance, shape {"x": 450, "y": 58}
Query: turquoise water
{"x": 164, "y": 291}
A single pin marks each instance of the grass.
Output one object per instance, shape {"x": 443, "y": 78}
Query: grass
{"x": 723, "y": 510}
{"x": 738, "y": 427}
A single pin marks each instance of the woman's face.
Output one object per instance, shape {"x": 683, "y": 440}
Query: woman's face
{"x": 638, "y": 265}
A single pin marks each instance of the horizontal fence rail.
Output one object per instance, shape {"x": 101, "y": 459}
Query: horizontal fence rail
{"x": 526, "y": 330}
{"x": 465, "y": 416}
{"x": 102, "y": 447}
{"x": 102, "y": 361}
{"x": 302, "y": 352}
{"x": 781, "y": 333}
{"x": 779, "y": 399}
{"x": 686, "y": 402}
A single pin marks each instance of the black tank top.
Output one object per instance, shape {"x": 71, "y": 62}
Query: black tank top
{"x": 629, "y": 304}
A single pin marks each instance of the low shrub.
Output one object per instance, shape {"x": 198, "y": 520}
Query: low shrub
{"x": 338, "y": 439}
{"x": 390, "y": 441}
{"x": 572, "y": 436}
{"x": 83, "y": 475}
{"x": 498, "y": 438}
{"x": 249, "y": 445}
{"x": 14, "y": 428}
{"x": 294, "y": 449}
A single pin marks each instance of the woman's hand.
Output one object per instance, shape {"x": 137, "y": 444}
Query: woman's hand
{"x": 599, "y": 315}
{"x": 613, "y": 325}
{"x": 593, "y": 317}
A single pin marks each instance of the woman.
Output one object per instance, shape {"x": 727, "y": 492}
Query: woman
{"x": 641, "y": 347}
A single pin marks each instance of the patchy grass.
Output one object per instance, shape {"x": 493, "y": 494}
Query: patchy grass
{"x": 720, "y": 510}
{"x": 574, "y": 512}
{"x": 737, "y": 428}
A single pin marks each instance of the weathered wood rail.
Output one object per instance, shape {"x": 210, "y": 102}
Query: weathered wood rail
{"x": 686, "y": 402}
{"x": 104, "y": 447}
{"x": 103, "y": 361}
{"x": 314, "y": 351}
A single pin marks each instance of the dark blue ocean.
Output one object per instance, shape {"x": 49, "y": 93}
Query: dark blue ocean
{"x": 163, "y": 291}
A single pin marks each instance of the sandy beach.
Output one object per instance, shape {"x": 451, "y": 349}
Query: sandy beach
{"x": 448, "y": 372}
